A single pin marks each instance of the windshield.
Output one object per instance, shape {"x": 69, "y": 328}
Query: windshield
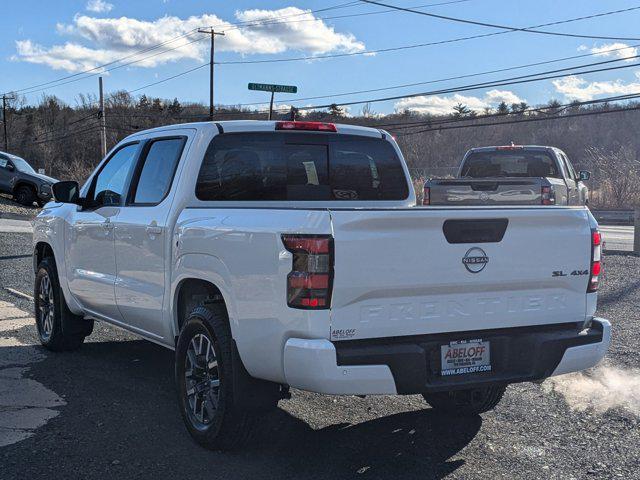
{"x": 509, "y": 163}
{"x": 22, "y": 165}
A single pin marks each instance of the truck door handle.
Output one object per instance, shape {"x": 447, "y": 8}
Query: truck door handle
{"x": 154, "y": 230}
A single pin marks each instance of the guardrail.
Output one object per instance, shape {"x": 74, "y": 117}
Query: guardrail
{"x": 614, "y": 217}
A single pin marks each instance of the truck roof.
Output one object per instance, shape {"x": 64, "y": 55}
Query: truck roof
{"x": 510, "y": 147}
{"x": 261, "y": 126}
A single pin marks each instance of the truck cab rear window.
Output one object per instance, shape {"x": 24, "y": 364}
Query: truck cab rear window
{"x": 509, "y": 164}
{"x": 297, "y": 166}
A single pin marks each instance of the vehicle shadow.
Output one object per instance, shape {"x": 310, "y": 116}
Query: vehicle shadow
{"x": 122, "y": 417}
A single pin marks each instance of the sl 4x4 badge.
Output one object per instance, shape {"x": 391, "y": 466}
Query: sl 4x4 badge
{"x": 575, "y": 273}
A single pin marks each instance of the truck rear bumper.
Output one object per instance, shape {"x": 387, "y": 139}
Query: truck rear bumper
{"x": 311, "y": 365}
{"x": 410, "y": 365}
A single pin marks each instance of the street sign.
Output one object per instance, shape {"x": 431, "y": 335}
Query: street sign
{"x": 267, "y": 87}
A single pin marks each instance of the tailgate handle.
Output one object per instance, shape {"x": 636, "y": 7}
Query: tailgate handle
{"x": 484, "y": 186}
{"x": 475, "y": 231}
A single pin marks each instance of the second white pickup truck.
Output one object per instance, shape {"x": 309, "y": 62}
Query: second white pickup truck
{"x": 271, "y": 255}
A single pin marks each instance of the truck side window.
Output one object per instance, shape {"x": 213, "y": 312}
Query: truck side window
{"x": 110, "y": 183}
{"x": 366, "y": 169}
{"x": 3, "y": 162}
{"x": 157, "y": 172}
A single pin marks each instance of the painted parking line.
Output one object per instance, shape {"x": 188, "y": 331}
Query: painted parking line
{"x": 20, "y": 294}
{"x": 8, "y": 225}
{"x": 25, "y": 404}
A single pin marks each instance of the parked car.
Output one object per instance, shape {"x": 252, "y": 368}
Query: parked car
{"x": 511, "y": 175}
{"x": 272, "y": 255}
{"x": 19, "y": 179}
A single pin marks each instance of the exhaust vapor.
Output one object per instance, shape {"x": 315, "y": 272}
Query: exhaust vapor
{"x": 601, "y": 389}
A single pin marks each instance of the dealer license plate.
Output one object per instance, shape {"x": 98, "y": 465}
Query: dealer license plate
{"x": 465, "y": 356}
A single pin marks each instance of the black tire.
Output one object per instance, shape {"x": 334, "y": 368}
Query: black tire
{"x": 222, "y": 426}
{"x": 25, "y": 195}
{"x": 58, "y": 328}
{"x": 466, "y": 402}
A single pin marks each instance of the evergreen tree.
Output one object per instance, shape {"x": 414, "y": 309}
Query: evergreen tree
{"x": 175, "y": 109}
{"x": 503, "y": 108}
{"x": 144, "y": 103}
{"x": 336, "y": 111}
{"x": 461, "y": 111}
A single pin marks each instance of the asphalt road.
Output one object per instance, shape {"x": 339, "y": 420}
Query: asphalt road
{"x": 110, "y": 410}
{"x": 618, "y": 237}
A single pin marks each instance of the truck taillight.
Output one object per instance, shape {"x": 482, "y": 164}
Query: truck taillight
{"x": 548, "y": 195}
{"x": 310, "y": 281}
{"x": 426, "y": 197}
{"x": 596, "y": 261}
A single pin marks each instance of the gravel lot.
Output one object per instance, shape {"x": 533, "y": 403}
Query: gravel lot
{"x": 11, "y": 209}
{"x": 121, "y": 417}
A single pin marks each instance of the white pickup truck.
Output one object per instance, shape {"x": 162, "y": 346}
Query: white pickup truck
{"x": 271, "y": 255}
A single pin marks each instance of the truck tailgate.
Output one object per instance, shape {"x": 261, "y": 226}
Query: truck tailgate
{"x": 397, "y": 274}
{"x": 507, "y": 191}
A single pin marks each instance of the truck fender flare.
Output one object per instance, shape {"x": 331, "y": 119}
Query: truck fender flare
{"x": 208, "y": 268}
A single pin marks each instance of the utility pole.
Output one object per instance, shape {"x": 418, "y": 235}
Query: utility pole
{"x": 271, "y": 106}
{"x": 103, "y": 121}
{"x": 213, "y": 34}
{"x": 4, "y": 120}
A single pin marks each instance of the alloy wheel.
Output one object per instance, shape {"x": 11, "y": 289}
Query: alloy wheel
{"x": 46, "y": 307}
{"x": 202, "y": 381}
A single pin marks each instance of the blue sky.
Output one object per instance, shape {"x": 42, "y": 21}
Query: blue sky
{"x": 43, "y": 40}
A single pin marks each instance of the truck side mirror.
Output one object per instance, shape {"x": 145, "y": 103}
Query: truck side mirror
{"x": 584, "y": 175}
{"x": 10, "y": 167}
{"x": 66, "y": 192}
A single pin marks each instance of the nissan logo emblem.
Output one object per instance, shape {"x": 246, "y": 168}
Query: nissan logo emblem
{"x": 475, "y": 260}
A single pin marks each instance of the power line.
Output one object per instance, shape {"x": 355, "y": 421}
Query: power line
{"x": 458, "y": 77}
{"x": 98, "y": 68}
{"x": 350, "y": 15}
{"x": 513, "y": 29}
{"x": 527, "y": 120}
{"x": 63, "y": 127}
{"x": 169, "y": 78}
{"x": 407, "y": 47}
{"x": 557, "y": 110}
{"x": 115, "y": 67}
{"x": 476, "y": 86}
{"x": 71, "y": 134}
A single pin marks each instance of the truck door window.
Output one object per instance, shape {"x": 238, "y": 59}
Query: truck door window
{"x": 571, "y": 173}
{"x": 3, "y": 162}
{"x": 158, "y": 168}
{"x": 109, "y": 185}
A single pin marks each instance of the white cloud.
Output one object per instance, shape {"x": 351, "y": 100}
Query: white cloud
{"x": 615, "y": 50}
{"x": 99, "y": 6}
{"x": 70, "y": 57}
{"x": 437, "y": 105}
{"x": 577, "y": 88}
{"x": 113, "y": 38}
